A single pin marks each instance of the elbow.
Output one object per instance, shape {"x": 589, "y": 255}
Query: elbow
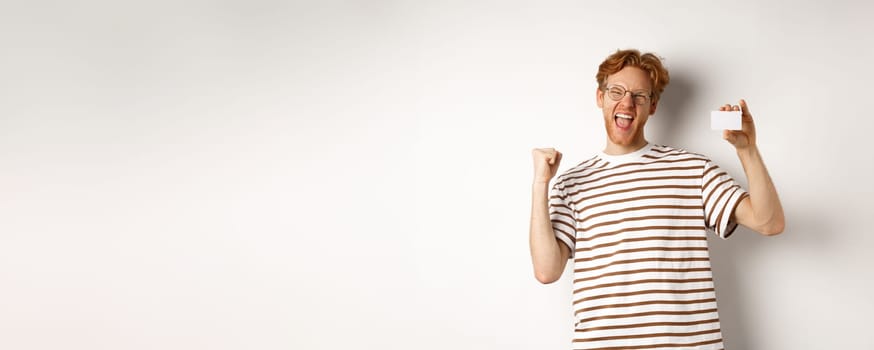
{"x": 773, "y": 228}
{"x": 546, "y": 277}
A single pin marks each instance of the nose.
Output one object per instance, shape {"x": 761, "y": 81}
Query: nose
{"x": 627, "y": 99}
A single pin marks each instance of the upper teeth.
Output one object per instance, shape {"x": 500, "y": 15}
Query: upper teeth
{"x": 625, "y": 116}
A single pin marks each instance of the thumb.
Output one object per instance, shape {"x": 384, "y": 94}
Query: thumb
{"x": 728, "y": 136}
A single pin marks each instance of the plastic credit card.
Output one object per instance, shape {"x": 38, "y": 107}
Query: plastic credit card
{"x": 725, "y": 120}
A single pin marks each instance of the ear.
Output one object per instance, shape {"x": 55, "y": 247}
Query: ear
{"x": 652, "y": 107}
{"x": 599, "y": 97}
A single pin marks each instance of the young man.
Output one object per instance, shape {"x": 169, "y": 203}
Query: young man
{"x": 634, "y": 219}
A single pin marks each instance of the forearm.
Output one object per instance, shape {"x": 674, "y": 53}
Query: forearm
{"x": 767, "y": 211}
{"x": 547, "y": 254}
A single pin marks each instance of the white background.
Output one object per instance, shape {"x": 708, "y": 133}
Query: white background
{"x": 330, "y": 175}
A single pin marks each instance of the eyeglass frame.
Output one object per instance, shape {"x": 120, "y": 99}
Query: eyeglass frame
{"x": 648, "y": 96}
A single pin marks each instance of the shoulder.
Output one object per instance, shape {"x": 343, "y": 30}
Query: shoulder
{"x": 578, "y": 171}
{"x": 670, "y": 153}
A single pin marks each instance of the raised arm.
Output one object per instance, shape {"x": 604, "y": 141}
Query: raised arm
{"x": 762, "y": 210}
{"x": 548, "y": 254}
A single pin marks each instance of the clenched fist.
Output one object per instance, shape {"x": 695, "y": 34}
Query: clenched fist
{"x": 546, "y": 161}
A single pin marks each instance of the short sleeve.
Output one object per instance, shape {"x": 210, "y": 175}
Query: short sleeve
{"x": 561, "y": 213}
{"x": 720, "y": 195}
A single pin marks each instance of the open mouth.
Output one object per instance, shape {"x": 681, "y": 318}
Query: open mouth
{"x": 623, "y": 120}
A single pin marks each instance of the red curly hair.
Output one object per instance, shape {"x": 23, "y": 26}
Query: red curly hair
{"x": 649, "y": 62}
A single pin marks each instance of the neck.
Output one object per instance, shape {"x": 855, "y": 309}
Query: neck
{"x": 618, "y": 150}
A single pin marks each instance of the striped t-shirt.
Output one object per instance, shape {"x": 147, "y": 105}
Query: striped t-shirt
{"x": 636, "y": 225}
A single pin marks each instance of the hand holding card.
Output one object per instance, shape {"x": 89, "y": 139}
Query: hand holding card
{"x": 743, "y": 135}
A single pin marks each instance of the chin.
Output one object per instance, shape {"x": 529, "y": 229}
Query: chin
{"x": 621, "y": 140}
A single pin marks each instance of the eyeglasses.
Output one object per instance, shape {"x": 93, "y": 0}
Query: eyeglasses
{"x": 617, "y": 92}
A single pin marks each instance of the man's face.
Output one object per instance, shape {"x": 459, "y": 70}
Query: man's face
{"x": 623, "y": 118}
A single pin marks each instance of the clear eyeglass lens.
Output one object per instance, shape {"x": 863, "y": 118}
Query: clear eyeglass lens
{"x": 639, "y": 99}
{"x": 617, "y": 93}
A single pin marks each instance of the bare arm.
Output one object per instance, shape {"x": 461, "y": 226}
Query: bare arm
{"x": 548, "y": 254}
{"x": 762, "y": 210}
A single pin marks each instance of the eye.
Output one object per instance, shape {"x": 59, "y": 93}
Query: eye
{"x": 616, "y": 92}
{"x": 641, "y": 97}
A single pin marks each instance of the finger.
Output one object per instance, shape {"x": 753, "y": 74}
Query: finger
{"x": 543, "y": 151}
{"x": 541, "y": 154}
{"x": 744, "y": 108}
{"x": 735, "y": 108}
{"x": 551, "y": 158}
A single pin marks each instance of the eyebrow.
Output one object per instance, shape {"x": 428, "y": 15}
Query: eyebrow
{"x": 633, "y": 91}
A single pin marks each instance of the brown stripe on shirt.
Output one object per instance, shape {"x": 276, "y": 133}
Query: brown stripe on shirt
{"x": 556, "y": 212}
{"x": 648, "y": 291}
{"x": 721, "y": 174}
{"x": 632, "y": 272}
{"x": 717, "y": 187}
{"x": 632, "y": 189}
{"x": 642, "y": 228}
{"x": 624, "y": 251}
{"x": 711, "y": 168}
{"x": 664, "y": 196}
{"x": 631, "y": 261}
{"x": 654, "y": 280}
{"x": 649, "y": 335}
{"x": 643, "y": 207}
{"x": 661, "y": 345}
{"x": 650, "y": 302}
{"x": 647, "y": 313}
{"x": 570, "y": 185}
{"x": 642, "y": 239}
{"x": 639, "y": 218}
{"x": 647, "y": 324}
{"x": 734, "y": 189}
{"x": 652, "y": 178}
{"x": 583, "y": 167}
